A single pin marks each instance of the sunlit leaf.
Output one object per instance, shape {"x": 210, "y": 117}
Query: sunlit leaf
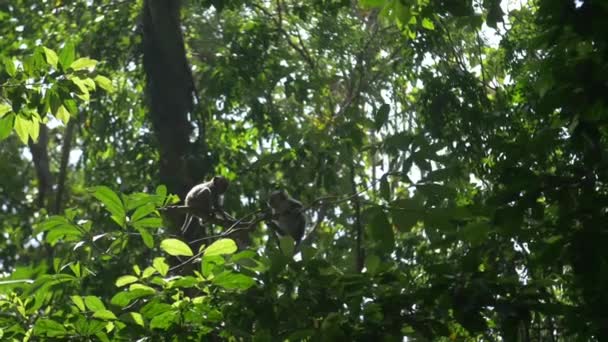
{"x": 233, "y": 281}
{"x": 221, "y": 246}
{"x": 125, "y": 280}
{"x": 83, "y": 63}
{"x": 93, "y": 303}
{"x": 161, "y": 266}
{"x": 104, "y": 314}
{"x": 111, "y": 201}
{"x": 175, "y": 247}
{"x": 105, "y": 83}
{"x": 51, "y": 56}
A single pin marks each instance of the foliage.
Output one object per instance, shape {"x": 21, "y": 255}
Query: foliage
{"x": 451, "y": 156}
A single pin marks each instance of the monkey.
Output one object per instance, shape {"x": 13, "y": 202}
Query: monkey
{"x": 206, "y": 200}
{"x": 287, "y": 215}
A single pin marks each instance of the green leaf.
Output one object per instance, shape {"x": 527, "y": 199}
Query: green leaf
{"x": 82, "y": 86}
{"x": 104, "y": 314}
{"x": 112, "y": 203}
{"x": 146, "y": 237}
{"x": 6, "y": 126}
{"x": 62, "y": 114}
{"x": 83, "y": 63}
{"x": 176, "y": 247}
{"x": 105, "y": 83}
{"x": 5, "y": 108}
{"x": 48, "y": 327}
{"x": 476, "y": 232}
{"x": 221, "y": 246}
{"x": 23, "y": 127}
{"x": 51, "y": 57}
{"x": 125, "y": 280}
{"x": 372, "y": 3}
{"x": 428, "y": 24}
{"x": 133, "y": 317}
{"x": 149, "y": 222}
{"x": 143, "y": 211}
{"x": 78, "y": 301}
{"x": 380, "y": 230}
{"x": 372, "y": 262}
{"x": 148, "y": 272}
{"x": 9, "y": 65}
{"x": 124, "y": 298}
{"x": 94, "y": 303}
{"x": 161, "y": 266}
{"x": 210, "y": 263}
{"x": 164, "y": 320}
{"x": 381, "y": 116}
{"x": 233, "y": 281}
{"x": 67, "y": 55}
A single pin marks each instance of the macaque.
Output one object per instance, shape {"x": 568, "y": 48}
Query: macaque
{"x": 287, "y": 214}
{"x": 205, "y": 200}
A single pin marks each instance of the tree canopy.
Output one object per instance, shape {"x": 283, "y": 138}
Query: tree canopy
{"x": 451, "y": 158}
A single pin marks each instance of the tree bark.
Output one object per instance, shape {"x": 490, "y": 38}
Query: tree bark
{"x": 40, "y": 157}
{"x": 169, "y": 90}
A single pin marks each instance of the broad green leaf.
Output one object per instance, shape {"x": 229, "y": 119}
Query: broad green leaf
{"x": 372, "y": 262}
{"x": 79, "y": 302}
{"x": 184, "y": 282}
{"x": 161, "y": 266}
{"x": 149, "y": 222}
{"x": 23, "y": 127}
{"x": 476, "y": 232}
{"x": 372, "y": 3}
{"x": 51, "y": 56}
{"x": 153, "y": 309}
{"x": 6, "y": 126}
{"x": 141, "y": 287}
{"x": 148, "y": 272}
{"x": 9, "y": 65}
{"x": 83, "y": 63}
{"x": 124, "y": 298}
{"x": 164, "y": 320}
{"x": 428, "y": 24}
{"x": 48, "y": 327}
{"x": 34, "y": 129}
{"x": 94, "y": 303}
{"x": 221, "y": 246}
{"x": 105, "y": 83}
{"x": 209, "y": 264}
{"x": 112, "y": 203}
{"x": 143, "y": 211}
{"x": 233, "y": 281}
{"x": 67, "y": 55}
{"x": 161, "y": 190}
{"x": 133, "y": 317}
{"x": 4, "y": 108}
{"x": 62, "y": 114}
{"x": 84, "y": 90}
{"x": 125, "y": 280}
{"x": 176, "y": 247}
{"x": 146, "y": 237}
{"x": 68, "y": 232}
{"x": 104, "y": 314}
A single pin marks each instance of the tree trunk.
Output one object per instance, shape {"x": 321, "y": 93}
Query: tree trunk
{"x": 169, "y": 90}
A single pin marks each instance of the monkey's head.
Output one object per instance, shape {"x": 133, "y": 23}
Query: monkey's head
{"x": 278, "y": 200}
{"x": 220, "y": 184}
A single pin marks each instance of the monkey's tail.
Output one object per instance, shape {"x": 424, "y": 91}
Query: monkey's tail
{"x": 187, "y": 222}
